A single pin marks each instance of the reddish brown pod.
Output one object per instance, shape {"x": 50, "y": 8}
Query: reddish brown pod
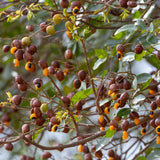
{"x": 51, "y": 70}
{"x": 68, "y": 54}
{"x": 60, "y": 75}
{"x": 111, "y": 81}
{"x": 77, "y": 83}
{"x": 27, "y": 57}
{"x": 16, "y": 99}
{"x": 39, "y": 121}
{"x": 19, "y": 54}
{"x": 85, "y": 149}
{"x": 17, "y": 43}
{"x": 152, "y": 123}
{"x": 6, "y": 48}
{"x": 32, "y": 49}
{"x": 46, "y": 155}
{"x": 138, "y": 49}
{"x": 64, "y": 3}
{"x": 134, "y": 116}
{"x": 124, "y": 97}
{"x": 68, "y": 65}
{"x": 113, "y": 125}
{"x": 22, "y": 87}
{"x": 43, "y": 26}
{"x": 35, "y": 102}
{"x": 132, "y": 4}
{"x": 25, "y": 128}
{"x": 6, "y": 119}
{"x": 98, "y": 154}
{"x": 30, "y": 28}
{"x": 88, "y": 156}
{"x": 8, "y": 146}
{"x": 153, "y": 105}
{"x": 114, "y": 87}
{"x": 126, "y": 84}
{"x": 120, "y": 48}
{"x": 123, "y": 3}
{"x": 43, "y": 64}
{"x": 50, "y": 113}
{"x": 54, "y": 120}
{"x": 75, "y": 4}
{"x": 55, "y": 64}
{"x": 82, "y": 75}
{"x": 65, "y": 100}
{"x": 125, "y": 125}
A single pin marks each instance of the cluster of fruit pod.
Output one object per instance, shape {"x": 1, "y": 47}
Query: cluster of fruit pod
{"x": 97, "y": 153}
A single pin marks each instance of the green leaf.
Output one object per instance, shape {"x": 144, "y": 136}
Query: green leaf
{"x": 104, "y": 73}
{"x": 81, "y": 95}
{"x": 103, "y": 101}
{"x": 98, "y": 63}
{"x": 152, "y": 39}
{"x": 141, "y": 158}
{"x": 138, "y": 98}
{"x": 141, "y": 78}
{"x": 78, "y": 156}
{"x": 146, "y": 84}
{"x": 128, "y": 28}
{"x": 37, "y": 133}
{"x": 137, "y": 14}
{"x": 50, "y": 2}
{"x": 140, "y": 24}
{"x": 153, "y": 60}
{"x": 123, "y": 112}
{"x": 138, "y": 57}
{"x": 101, "y": 53}
{"x": 134, "y": 83}
{"x": 129, "y": 57}
{"x": 30, "y": 15}
{"x": 109, "y": 133}
{"x": 5, "y": 8}
{"x": 67, "y": 89}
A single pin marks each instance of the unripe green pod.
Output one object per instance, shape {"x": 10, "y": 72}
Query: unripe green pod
{"x": 44, "y": 108}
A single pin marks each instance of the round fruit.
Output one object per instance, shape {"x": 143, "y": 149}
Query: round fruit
{"x": 26, "y": 41}
{"x": 153, "y": 105}
{"x": 44, "y": 108}
{"x": 120, "y": 48}
{"x": 35, "y": 103}
{"x": 75, "y": 4}
{"x": 131, "y": 4}
{"x": 113, "y": 87}
{"x": 22, "y": 87}
{"x": 17, "y": 43}
{"x": 50, "y": 30}
{"x": 68, "y": 65}
{"x": 8, "y": 146}
{"x": 111, "y": 153}
{"x": 16, "y": 99}
{"x": 65, "y": 100}
{"x": 98, "y": 154}
{"x": 158, "y": 101}
{"x": 27, "y": 57}
{"x": 79, "y": 105}
{"x": 50, "y": 113}
{"x": 64, "y": 3}
{"x": 30, "y": 66}
{"x": 6, "y": 48}
{"x": 138, "y": 49}
{"x": 54, "y": 121}
{"x": 5, "y": 118}
{"x": 123, "y": 3}
{"x": 125, "y": 125}
{"x": 55, "y": 64}
{"x": 30, "y": 28}
{"x": 19, "y": 79}
{"x": 152, "y": 123}
{"x": 43, "y": 64}
{"x": 25, "y": 128}
{"x": 19, "y": 54}
{"x": 43, "y": 26}
{"x": 69, "y": 26}
{"x": 68, "y": 54}
{"x": 88, "y": 156}
{"x": 39, "y": 121}
{"x": 85, "y": 149}
{"x": 57, "y": 18}
{"x": 77, "y": 83}
{"x": 82, "y": 75}
{"x": 60, "y": 75}
{"x": 32, "y": 49}
{"x": 46, "y": 155}
{"x": 126, "y": 84}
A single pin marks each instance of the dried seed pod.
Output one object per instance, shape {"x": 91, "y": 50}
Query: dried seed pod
{"x": 55, "y": 64}
{"x": 153, "y": 105}
{"x": 43, "y": 64}
{"x": 50, "y": 113}
{"x": 114, "y": 87}
{"x": 123, "y": 3}
{"x": 113, "y": 124}
{"x": 88, "y": 156}
{"x": 43, "y": 26}
{"x": 111, "y": 81}
{"x": 65, "y": 100}
{"x": 8, "y": 146}
{"x": 124, "y": 97}
{"x": 60, "y": 75}
{"x": 144, "y": 124}
{"x": 27, "y": 57}
{"x": 32, "y": 49}
{"x": 152, "y": 123}
{"x": 46, "y": 155}
{"x": 19, "y": 79}
{"x": 111, "y": 153}
{"x": 68, "y": 54}
{"x": 54, "y": 120}
{"x": 77, "y": 83}
{"x": 25, "y": 128}
{"x": 82, "y": 75}
{"x": 125, "y": 125}
{"x": 22, "y": 87}
{"x": 85, "y": 149}
{"x": 138, "y": 49}
{"x": 98, "y": 154}
{"x": 131, "y": 4}
{"x": 19, "y": 54}
{"x": 64, "y": 3}
{"x": 16, "y": 99}
{"x": 39, "y": 121}
{"x": 120, "y": 48}
{"x": 157, "y": 121}
{"x": 126, "y": 84}
{"x": 158, "y": 101}
{"x": 75, "y": 4}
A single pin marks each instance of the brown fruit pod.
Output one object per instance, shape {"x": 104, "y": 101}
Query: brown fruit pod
{"x": 152, "y": 123}
{"x": 125, "y": 125}
{"x": 75, "y": 4}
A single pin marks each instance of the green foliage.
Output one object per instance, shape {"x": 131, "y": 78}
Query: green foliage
{"x": 123, "y": 112}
